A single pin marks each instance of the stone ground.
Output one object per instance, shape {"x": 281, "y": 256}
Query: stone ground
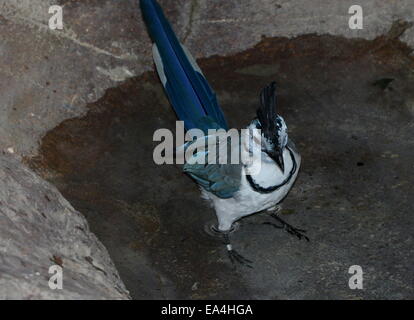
{"x": 86, "y": 125}
{"x": 354, "y": 129}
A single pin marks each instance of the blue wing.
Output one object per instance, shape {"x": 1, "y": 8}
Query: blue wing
{"x": 221, "y": 179}
{"x": 191, "y": 96}
{"x": 186, "y": 87}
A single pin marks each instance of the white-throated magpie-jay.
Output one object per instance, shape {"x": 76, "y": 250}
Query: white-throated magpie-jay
{"x": 232, "y": 189}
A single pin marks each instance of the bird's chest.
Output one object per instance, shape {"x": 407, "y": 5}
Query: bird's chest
{"x": 253, "y": 199}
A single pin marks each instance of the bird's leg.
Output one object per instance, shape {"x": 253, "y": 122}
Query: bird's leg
{"x": 289, "y": 228}
{"x": 275, "y": 209}
{"x": 233, "y": 254}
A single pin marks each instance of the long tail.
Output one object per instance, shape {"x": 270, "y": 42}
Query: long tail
{"x": 189, "y": 93}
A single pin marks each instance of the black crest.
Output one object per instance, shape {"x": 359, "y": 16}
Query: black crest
{"x": 267, "y": 112}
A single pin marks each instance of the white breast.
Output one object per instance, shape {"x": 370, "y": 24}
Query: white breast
{"x": 248, "y": 201}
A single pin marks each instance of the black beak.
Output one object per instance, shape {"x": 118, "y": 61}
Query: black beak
{"x": 278, "y": 158}
{"x": 280, "y": 163}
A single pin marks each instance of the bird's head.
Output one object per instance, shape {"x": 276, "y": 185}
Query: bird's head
{"x": 274, "y": 136}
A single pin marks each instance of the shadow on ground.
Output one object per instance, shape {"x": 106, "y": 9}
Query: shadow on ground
{"x": 349, "y": 106}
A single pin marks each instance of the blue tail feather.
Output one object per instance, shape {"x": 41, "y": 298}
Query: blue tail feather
{"x": 186, "y": 87}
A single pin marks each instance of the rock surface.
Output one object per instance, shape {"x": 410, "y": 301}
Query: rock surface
{"x": 40, "y": 229}
{"x": 349, "y": 106}
{"x": 47, "y": 76}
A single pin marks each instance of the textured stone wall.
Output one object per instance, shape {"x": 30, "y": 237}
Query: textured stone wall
{"x": 48, "y": 76}
{"x": 40, "y": 229}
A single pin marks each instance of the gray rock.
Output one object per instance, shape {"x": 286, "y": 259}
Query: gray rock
{"x": 40, "y": 229}
{"x": 48, "y": 76}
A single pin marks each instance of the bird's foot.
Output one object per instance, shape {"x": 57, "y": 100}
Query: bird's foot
{"x": 289, "y": 228}
{"x": 234, "y": 256}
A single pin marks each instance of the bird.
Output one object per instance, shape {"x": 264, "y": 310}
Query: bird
{"x": 233, "y": 190}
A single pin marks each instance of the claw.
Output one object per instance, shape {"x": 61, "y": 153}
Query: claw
{"x": 236, "y": 257}
{"x": 290, "y": 229}
{"x": 241, "y": 258}
{"x": 274, "y": 225}
{"x": 231, "y": 257}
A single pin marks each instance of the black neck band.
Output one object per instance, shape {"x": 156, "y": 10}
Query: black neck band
{"x": 270, "y": 189}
